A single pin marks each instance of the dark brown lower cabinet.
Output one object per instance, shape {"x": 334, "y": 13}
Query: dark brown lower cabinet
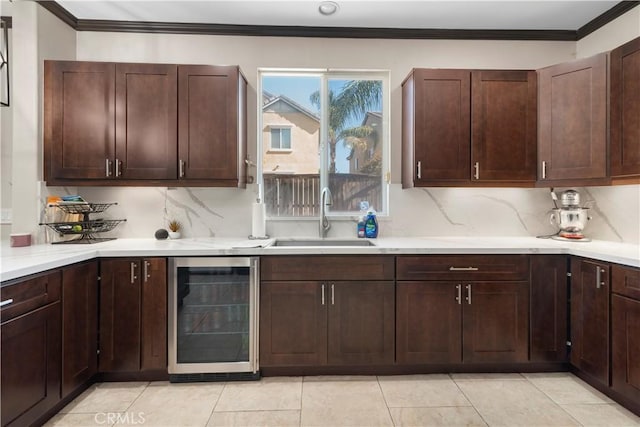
{"x": 361, "y": 323}
{"x": 428, "y": 322}
{"x": 625, "y": 346}
{"x": 590, "y": 318}
{"x": 133, "y": 315}
{"x": 312, "y": 323}
{"x": 79, "y": 325}
{"x": 549, "y": 285}
{"x": 495, "y": 322}
{"x": 453, "y": 322}
{"x": 31, "y": 351}
{"x": 293, "y": 324}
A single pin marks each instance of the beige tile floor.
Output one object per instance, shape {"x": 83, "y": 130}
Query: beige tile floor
{"x": 545, "y": 399}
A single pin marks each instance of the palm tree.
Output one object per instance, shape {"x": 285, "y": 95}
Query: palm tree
{"x": 355, "y": 99}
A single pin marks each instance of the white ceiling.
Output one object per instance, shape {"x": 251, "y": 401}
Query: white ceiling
{"x": 495, "y": 15}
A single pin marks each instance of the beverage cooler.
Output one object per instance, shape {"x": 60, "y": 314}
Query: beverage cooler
{"x": 213, "y": 319}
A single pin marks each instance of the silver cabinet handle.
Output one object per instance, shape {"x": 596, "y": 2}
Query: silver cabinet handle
{"x": 419, "y": 174}
{"x": 133, "y": 272}
{"x": 6, "y": 302}
{"x": 599, "y": 281}
{"x": 476, "y": 170}
{"x": 322, "y": 294}
{"x": 107, "y": 167}
{"x": 118, "y": 167}
{"x": 544, "y": 170}
{"x": 468, "y": 298}
{"x": 181, "y": 168}
{"x": 463, "y": 268}
{"x": 333, "y": 301}
{"x": 459, "y": 295}
{"x": 146, "y": 271}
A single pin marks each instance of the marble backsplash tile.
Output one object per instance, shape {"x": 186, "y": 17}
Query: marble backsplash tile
{"x": 226, "y": 212}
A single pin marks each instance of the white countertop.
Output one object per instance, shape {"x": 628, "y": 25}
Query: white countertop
{"x": 18, "y": 262}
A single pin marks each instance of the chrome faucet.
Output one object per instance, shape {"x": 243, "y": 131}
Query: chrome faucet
{"x": 325, "y": 200}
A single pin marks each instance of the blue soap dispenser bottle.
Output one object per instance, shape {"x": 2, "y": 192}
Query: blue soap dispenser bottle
{"x": 371, "y": 225}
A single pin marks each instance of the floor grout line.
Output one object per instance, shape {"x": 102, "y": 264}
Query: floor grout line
{"x": 213, "y": 409}
{"x": 384, "y": 398}
{"x": 469, "y": 400}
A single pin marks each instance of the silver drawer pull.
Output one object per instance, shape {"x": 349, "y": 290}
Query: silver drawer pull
{"x": 6, "y": 302}
{"x": 463, "y": 268}
{"x": 459, "y": 296}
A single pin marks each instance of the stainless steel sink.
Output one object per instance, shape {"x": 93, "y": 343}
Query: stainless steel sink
{"x": 323, "y": 242}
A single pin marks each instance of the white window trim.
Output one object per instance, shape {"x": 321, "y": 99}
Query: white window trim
{"x": 325, "y": 74}
{"x": 280, "y": 150}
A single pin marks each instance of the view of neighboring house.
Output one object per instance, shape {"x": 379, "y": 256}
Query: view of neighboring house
{"x": 291, "y": 135}
{"x": 365, "y": 158}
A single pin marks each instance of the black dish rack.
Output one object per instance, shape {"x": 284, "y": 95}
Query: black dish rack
{"x": 86, "y": 228}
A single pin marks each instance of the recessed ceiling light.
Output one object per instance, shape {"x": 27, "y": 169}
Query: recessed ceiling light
{"x": 327, "y": 8}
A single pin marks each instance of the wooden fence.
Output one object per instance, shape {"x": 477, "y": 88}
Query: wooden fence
{"x": 299, "y": 195}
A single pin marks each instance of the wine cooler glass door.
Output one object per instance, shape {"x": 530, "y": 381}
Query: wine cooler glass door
{"x": 214, "y": 320}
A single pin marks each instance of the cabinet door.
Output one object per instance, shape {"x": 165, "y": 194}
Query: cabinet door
{"x": 495, "y": 322}
{"x": 590, "y": 318}
{"x": 208, "y": 114}
{"x": 293, "y": 323}
{"x": 625, "y": 341}
{"x": 442, "y": 126}
{"x": 79, "y": 125}
{"x": 154, "y": 314}
{"x": 146, "y": 121}
{"x": 572, "y": 118}
{"x": 30, "y": 366}
{"x": 361, "y": 324}
{"x": 504, "y": 121}
{"x": 119, "y": 315}
{"x": 549, "y": 308}
{"x": 428, "y": 322}
{"x": 79, "y": 325}
{"x": 625, "y": 110}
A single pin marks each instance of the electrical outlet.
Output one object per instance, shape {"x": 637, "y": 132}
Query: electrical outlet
{"x": 5, "y": 216}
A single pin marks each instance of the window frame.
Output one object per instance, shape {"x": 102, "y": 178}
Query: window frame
{"x": 280, "y": 150}
{"x": 326, "y": 74}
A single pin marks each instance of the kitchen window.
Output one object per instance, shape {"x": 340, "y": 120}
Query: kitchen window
{"x": 340, "y": 123}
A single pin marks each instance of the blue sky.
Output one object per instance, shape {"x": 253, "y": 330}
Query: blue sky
{"x": 299, "y": 88}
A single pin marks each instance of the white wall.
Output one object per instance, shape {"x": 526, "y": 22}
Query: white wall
{"x": 416, "y": 212}
{"x": 41, "y": 36}
{"x": 6, "y": 145}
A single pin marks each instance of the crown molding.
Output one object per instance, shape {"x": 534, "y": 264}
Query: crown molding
{"x": 333, "y": 32}
{"x": 608, "y": 16}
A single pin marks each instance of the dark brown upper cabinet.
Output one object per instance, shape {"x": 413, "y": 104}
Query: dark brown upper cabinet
{"x": 436, "y": 120}
{"x": 146, "y": 121}
{"x": 79, "y": 126}
{"x": 144, "y": 124}
{"x": 572, "y": 123}
{"x": 210, "y": 99}
{"x": 463, "y": 127}
{"x": 624, "y": 132}
{"x": 504, "y": 120}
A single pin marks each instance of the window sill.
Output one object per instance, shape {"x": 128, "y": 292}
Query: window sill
{"x": 279, "y": 150}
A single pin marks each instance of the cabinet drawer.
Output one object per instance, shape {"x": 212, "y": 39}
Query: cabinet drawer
{"x": 463, "y": 267}
{"x": 29, "y": 294}
{"x": 626, "y": 281}
{"x": 349, "y": 267}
